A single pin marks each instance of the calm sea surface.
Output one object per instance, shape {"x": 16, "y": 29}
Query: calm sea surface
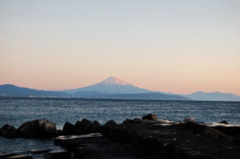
{"x": 16, "y": 111}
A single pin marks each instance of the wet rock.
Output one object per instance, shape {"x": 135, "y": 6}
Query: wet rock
{"x": 150, "y": 117}
{"x": 82, "y": 126}
{"x": 39, "y": 151}
{"x": 9, "y": 131}
{"x": 71, "y": 142}
{"x": 5, "y": 155}
{"x": 224, "y": 122}
{"x": 96, "y": 146}
{"x": 189, "y": 120}
{"x": 69, "y": 129}
{"x": 21, "y": 157}
{"x": 152, "y": 139}
{"x": 39, "y": 128}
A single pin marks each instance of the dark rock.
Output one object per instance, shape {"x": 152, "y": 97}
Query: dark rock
{"x": 5, "y": 155}
{"x": 21, "y": 157}
{"x": 82, "y": 126}
{"x": 189, "y": 120}
{"x": 39, "y": 151}
{"x": 71, "y": 142}
{"x": 39, "y": 128}
{"x": 150, "y": 117}
{"x": 196, "y": 128}
{"x": 58, "y": 154}
{"x": 137, "y": 120}
{"x": 108, "y": 128}
{"x": 9, "y": 131}
{"x": 129, "y": 121}
{"x": 59, "y": 132}
{"x": 213, "y": 132}
{"x": 192, "y": 126}
{"x": 224, "y": 122}
{"x": 110, "y": 123}
{"x": 94, "y": 127}
{"x": 80, "y": 152}
{"x": 96, "y": 146}
{"x": 231, "y": 131}
{"x": 69, "y": 129}
{"x": 236, "y": 141}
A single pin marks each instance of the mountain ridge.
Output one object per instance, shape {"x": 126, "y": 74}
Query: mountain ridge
{"x": 112, "y": 80}
{"x": 213, "y": 96}
{"x": 111, "y": 85}
{"x": 114, "y": 88}
{"x": 13, "y": 90}
{"x": 110, "y": 88}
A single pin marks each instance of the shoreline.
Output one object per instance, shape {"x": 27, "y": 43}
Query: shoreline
{"x": 111, "y": 99}
{"x": 148, "y": 137}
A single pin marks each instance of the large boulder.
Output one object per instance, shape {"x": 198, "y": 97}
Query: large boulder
{"x": 109, "y": 128}
{"x": 189, "y": 120}
{"x": 110, "y": 123}
{"x": 196, "y": 128}
{"x": 224, "y": 122}
{"x": 39, "y": 128}
{"x": 94, "y": 127}
{"x": 9, "y": 131}
{"x": 82, "y": 126}
{"x": 69, "y": 129}
{"x": 150, "y": 117}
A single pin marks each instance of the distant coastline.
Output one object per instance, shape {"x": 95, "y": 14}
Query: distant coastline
{"x": 103, "y": 99}
{"x": 111, "y": 90}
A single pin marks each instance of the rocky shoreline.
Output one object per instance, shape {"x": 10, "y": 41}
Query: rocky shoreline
{"x": 143, "y": 138}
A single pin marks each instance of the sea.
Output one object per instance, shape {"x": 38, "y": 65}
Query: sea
{"x": 15, "y": 111}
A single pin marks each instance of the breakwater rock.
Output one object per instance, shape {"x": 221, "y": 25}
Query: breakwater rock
{"x": 39, "y": 128}
{"x": 178, "y": 140}
{"x": 148, "y": 137}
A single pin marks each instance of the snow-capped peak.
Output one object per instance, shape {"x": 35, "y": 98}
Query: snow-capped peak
{"x": 114, "y": 81}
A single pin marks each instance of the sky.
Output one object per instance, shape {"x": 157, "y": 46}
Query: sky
{"x": 169, "y": 46}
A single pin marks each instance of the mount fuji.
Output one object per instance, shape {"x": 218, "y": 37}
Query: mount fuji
{"x": 114, "y": 88}
{"x": 111, "y": 85}
{"x": 110, "y": 88}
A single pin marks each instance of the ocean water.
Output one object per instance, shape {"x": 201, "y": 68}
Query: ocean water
{"x": 16, "y": 111}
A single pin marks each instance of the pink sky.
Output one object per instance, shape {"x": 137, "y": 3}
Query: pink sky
{"x": 178, "y": 47}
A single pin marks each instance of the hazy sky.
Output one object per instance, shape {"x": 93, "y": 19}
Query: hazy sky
{"x": 178, "y": 46}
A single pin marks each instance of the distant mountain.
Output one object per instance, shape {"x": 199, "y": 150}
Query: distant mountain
{"x": 213, "y": 96}
{"x": 110, "y": 88}
{"x": 114, "y": 88}
{"x": 12, "y": 90}
{"x": 147, "y": 96}
{"x": 111, "y": 85}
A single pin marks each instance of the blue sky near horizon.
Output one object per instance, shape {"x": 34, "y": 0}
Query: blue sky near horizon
{"x": 170, "y": 46}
